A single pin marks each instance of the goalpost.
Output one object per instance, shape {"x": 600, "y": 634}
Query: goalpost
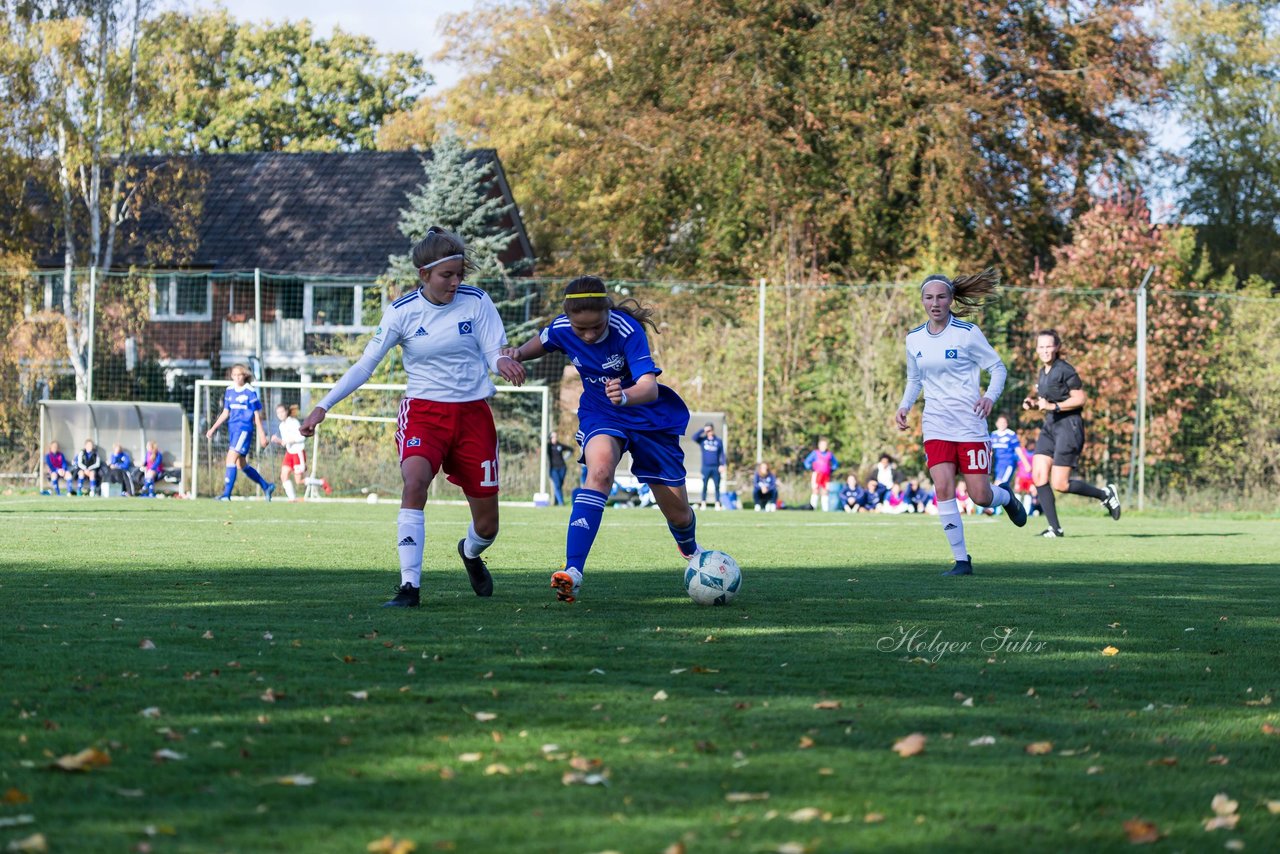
{"x": 351, "y": 452}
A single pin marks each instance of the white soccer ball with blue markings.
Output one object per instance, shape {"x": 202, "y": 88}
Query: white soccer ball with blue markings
{"x": 713, "y": 578}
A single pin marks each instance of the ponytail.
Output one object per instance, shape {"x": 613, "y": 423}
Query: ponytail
{"x": 972, "y": 292}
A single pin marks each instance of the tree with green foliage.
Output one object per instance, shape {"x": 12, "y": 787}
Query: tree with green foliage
{"x": 218, "y": 85}
{"x": 1224, "y": 74}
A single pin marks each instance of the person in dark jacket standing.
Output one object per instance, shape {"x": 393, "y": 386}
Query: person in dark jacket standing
{"x": 556, "y": 468}
{"x": 713, "y": 460}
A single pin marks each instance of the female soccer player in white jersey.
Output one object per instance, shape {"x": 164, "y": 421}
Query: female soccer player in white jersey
{"x": 623, "y": 408}
{"x": 289, "y": 436}
{"x": 945, "y": 356}
{"x": 449, "y": 335}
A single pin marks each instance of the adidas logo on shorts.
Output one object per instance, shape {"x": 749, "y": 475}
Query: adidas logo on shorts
{"x": 408, "y": 541}
{"x": 580, "y": 523}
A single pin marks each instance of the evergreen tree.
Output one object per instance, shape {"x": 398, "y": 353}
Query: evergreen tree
{"x": 456, "y": 194}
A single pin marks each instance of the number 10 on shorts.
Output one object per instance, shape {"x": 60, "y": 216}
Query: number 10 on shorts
{"x": 978, "y": 459}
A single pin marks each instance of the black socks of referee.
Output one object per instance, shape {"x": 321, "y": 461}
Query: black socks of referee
{"x": 1044, "y": 494}
{"x": 1079, "y": 487}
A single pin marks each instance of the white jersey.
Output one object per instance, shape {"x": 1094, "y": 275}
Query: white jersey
{"x": 448, "y": 350}
{"x": 291, "y": 435}
{"x": 947, "y": 366}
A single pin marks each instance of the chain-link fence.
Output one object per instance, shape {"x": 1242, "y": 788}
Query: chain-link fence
{"x": 787, "y": 362}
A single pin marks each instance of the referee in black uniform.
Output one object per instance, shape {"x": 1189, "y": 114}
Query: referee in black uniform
{"x": 1060, "y": 396}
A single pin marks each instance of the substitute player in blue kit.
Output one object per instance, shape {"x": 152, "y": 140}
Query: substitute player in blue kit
{"x": 623, "y": 408}
{"x": 449, "y": 335}
{"x": 242, "y": 413}
{"x": 945, "y": 357}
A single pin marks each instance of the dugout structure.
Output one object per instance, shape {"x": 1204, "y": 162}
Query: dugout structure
{"x": 131, "y": 425}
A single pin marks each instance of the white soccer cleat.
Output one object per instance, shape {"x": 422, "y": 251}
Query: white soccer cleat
{"x": 566, "y": 583}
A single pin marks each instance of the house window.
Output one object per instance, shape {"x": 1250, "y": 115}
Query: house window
{"x": 181, "y": 297}
{"x": 335, "y": 307}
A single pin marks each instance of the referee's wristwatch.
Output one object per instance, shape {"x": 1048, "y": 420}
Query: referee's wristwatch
{"x": 1057, "y": 407}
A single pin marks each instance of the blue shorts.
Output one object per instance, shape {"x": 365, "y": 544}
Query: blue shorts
{"x": 655, "y": 457}
{"x": 241, "y": 440}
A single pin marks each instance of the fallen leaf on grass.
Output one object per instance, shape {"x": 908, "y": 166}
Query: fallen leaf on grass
{"x": 86, "y": 759}
{"x": 296, "y": 780}
{"x": 1269, "y": 729}
{"x": 1218, "y": 760}
{"x": 390, "y": 845}
{"x": 1234, "y": 845}
{"x": 359, "y": 695}
{"x": 675, "y": 848}
{"x": 470, "y": 757}
{"x": 910, "y": 745}
{"x": 983, "y": 741}
{"x": 968, "y": 702}
{"x": 14, "y": 821}
{"x": 660, "y": 696}
{"x": 805, "y": 742}
{"x": 1265, "y": 701}
{"x": 270, "y": 696}
{"x": 167, "y": 755}
{"x": 1039, "y": 748}
{"x": 1223, "y": 805}
{"x": 582, "y": 763}
{"x": 1273, "y": 807}
{"x": 1141, "y": 832}
{"x": 805, "y": 814}
{"x": 577, "y": 778}
{"x": 1164, "y": 760}
{"x": 485, "y": 716}
{"x": 146, "y": 643}
{"x": 791, "y": 848}
{"x": 827, "y": 704}
{"x": 208, "y": 635}
{"x": 496, "y": 768}
{"x": 744, "y": 797}
{"x": 14, "y": 796}
{"x": 1094, "y": 769}
{"x": 1221, "y": 822}
{"x": 33, "y": 843}
{"x": 873, "y": 818}
{"x": 1109, "y": 650}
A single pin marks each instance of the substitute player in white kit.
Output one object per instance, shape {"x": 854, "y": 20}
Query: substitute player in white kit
{"x": 449, "y": 335}
{"x": 945, "y": 356}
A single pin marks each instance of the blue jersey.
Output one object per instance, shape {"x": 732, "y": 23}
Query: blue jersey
{"x": 712, "y": 449}
{"x": 621, "y": 353}
{"x": 121, "y": 460}
{"x": 240, "y": 404}
{"x": 1004, "y": 450}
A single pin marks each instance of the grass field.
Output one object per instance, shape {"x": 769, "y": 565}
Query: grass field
{"x": 632, "y": 720}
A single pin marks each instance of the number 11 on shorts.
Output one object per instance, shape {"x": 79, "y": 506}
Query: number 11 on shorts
{"x": 490, "y": 473}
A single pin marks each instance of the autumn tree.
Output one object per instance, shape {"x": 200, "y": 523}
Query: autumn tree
{"x": 1090, "y": 297}
{"x": 800, "y": 141}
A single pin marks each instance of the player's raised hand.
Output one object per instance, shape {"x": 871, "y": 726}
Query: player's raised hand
{"x": 900, "y": 418}
{"x": 311, "y": 422}
{"x": 613, "y": 390}
{"x": 511, "y": 370}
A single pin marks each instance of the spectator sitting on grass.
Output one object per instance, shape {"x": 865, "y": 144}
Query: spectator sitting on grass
{"x": 868, "y": 498}
{"x": 849, "y": 494}
{"x": 894, "y": 502}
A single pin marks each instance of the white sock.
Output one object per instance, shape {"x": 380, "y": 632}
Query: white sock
{"x": 949, "y": 516}
{"x": 411, "y": 530}
{"x": 999, "y": 496}
{"x": 288, "y": 490}
{"x": 473, "y": 545}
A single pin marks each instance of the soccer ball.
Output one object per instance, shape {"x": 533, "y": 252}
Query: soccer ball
{"x": 713, "y": 578}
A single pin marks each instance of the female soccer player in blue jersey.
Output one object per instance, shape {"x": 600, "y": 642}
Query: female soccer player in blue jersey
{"x": 945, "y": 356}
{"x": 449, "y": 335}
{"x": 242, "y": 413}
{"x": 622, "y": 408}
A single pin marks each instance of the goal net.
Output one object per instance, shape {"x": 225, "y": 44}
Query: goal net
{"x": 353, "y": 453}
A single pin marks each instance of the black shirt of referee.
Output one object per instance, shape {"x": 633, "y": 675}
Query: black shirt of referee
{"x": 1062, "y": 432}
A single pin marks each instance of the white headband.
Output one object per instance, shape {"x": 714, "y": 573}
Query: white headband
{"x": 441, "y": 261}
{"x": 937, "y": 277}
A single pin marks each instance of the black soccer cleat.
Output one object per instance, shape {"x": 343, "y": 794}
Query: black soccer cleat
{"x": 1017, "y": 513}
{"x": 406, "y": 597}
{"x": 962, "y": 567}
{"x": 1051, "y": 533}
{"x": 1112, "y": 502}
{"x": 481, "y": 580}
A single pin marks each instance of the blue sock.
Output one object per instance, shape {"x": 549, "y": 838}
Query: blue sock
{"x": 686, "y": 538}
{"x": 252, "y": 473}
{"x": 229, "y": 481}
{"x": 80, "y": 485}
{"x": 584, "y": 522}
{"x": 57, "y": 490}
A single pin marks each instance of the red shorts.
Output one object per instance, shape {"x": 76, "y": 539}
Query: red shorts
{"x": 297, "y": 462}
{"x": 968, "y": 457}
{"x": 457, "y": 437}
{"x": 821, "y": 479}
